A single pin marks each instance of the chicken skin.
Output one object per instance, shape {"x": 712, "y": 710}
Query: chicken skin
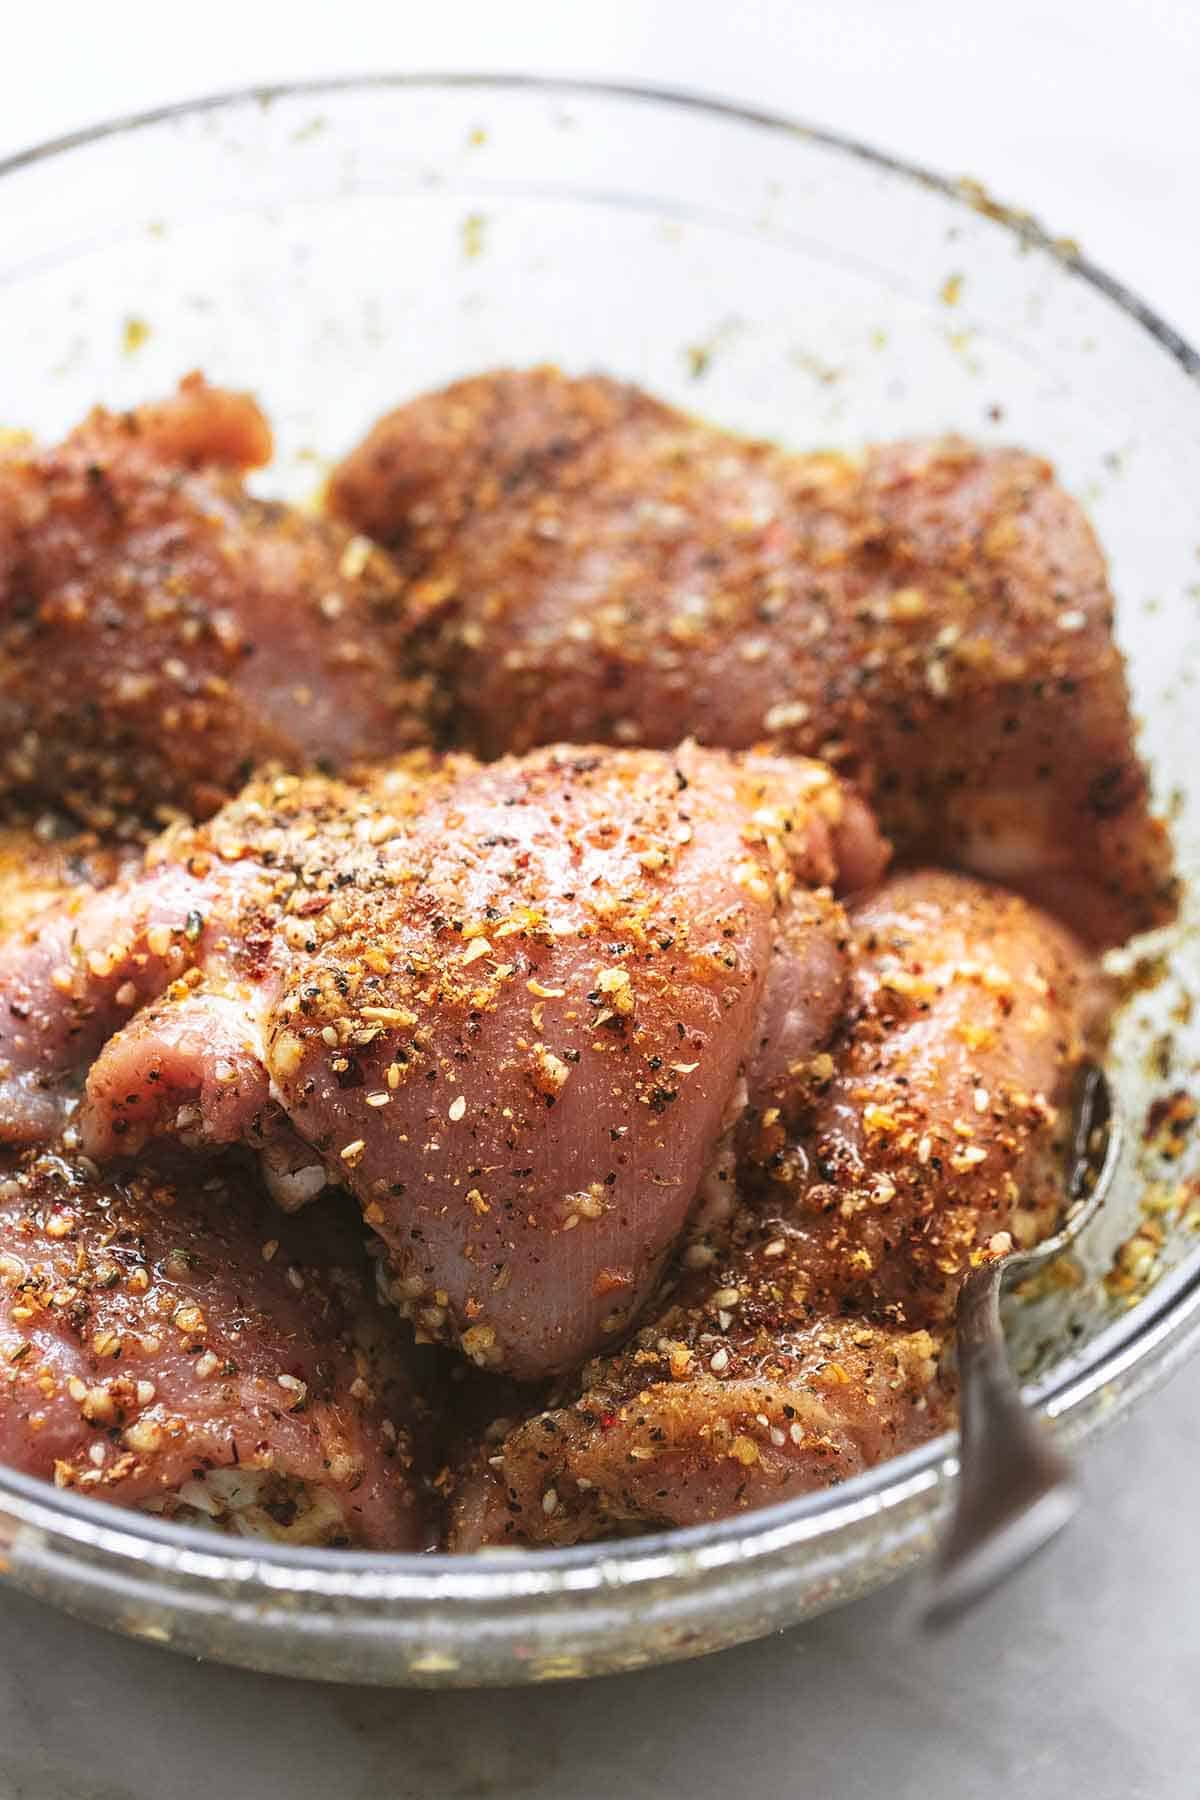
{"x": 520, "y": 1010}
{"x": 175, "y": 1344}
{"x": 587, "y": 564}
{"x": 162, "y": 633}
{"x": 807, "y": 1348}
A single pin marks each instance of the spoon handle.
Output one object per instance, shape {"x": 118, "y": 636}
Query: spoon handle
{"x": 1015, "y": 1491}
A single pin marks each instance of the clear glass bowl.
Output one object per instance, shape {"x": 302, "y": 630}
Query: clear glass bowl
{"x": 341, "y": 246}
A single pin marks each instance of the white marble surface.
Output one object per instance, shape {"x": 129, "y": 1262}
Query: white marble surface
{"x": 1082, "y": 1678}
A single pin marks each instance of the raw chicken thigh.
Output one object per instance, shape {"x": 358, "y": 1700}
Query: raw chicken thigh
{"x": 162, "y": 632}
{"x": 587, "y": 563}
{"x": 171, "y": 1342}
{"x": 520, "y": 1010}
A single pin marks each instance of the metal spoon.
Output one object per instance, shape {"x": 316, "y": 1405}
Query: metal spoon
{"x": 1016, "y": 1491}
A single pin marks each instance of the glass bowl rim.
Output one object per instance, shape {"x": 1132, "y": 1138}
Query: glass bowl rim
{"x": 1164, "y": 1325}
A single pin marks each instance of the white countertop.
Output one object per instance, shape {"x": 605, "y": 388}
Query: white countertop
{"x": 1082, "y": 1678}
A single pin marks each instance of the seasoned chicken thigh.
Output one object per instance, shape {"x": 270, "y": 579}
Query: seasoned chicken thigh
{"x": 946, "y": 1115}
{"x": 162, "y": 632}
{"x": 172, "y": 1343}
{"x": 807, "y": 1349}
{"x": 519, "y": 1009}
{"x": 696, "y": 1420}
{"x": 586, "y": 563}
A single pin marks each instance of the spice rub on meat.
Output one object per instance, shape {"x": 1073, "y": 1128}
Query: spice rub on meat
{"x": 946, "y": 1115}
{"x": 587, "y": 563}
{"x": 807, "y": 1349}
{"x": 171, "y": 1342}
{"x": 696, "y": 1420}
{"x": 162, "y": 632}
{"x": 518, "y": 1009}
{"x": 649, "y": 1087}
